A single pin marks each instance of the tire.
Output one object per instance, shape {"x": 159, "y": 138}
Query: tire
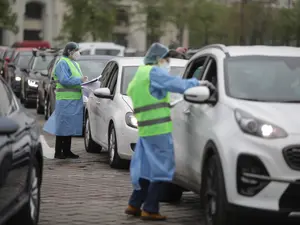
{"x": 114, "y": 159}
{"x": 90, "y": 145}
{"x": 29, "y": 213}
{"x": 171, "y": 193}
{"x": 39, "y": 108}
{"x": 214, "y": 195}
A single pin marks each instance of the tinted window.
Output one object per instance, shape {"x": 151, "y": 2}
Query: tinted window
{"x": 42, "y": 62}
{"x": 7, "y": 104}
{"x": 262, "y": 78}
{"x": 23, "y": 60}
{"x": 113, "y": 52}
{"x": 91, "y": 68}
{"x": 129, "y": 72}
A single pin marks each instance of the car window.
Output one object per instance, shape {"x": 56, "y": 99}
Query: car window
{"x": 16, "y": 59}
{"x": 113, "y": 80}
{"x": 42, "y": 62}
{"x": 113, "y": 52}
{"x": 85, "y": 52}
{"x": 8, "y": 53}
{"x": 23, "y": 60}
{"x": 91, "y": 68}
{"x": 7, "y": 101}
{"x": 105, "y": 74}
{"x": 195, "y": 68}
{"x": 30, "y": 64}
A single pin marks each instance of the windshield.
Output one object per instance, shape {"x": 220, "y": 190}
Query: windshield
{"x": 23, "y": 61}
{"x": 91, "y": 68}
{"x": 112, "y": 52}
{"x": 42, "y": 62}
{"x": 129, "y": 72}
{"x": 263, "y": 78}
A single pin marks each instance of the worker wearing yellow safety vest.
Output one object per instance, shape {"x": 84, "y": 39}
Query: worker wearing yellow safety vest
{"x": 153, "y": 160}
{"x": 67, "y": 118}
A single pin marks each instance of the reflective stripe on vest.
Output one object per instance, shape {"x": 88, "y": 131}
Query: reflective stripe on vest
{"x": 68, "y": 90}
{"x": 154, "y": 121}
{"x": 151, "y": 107}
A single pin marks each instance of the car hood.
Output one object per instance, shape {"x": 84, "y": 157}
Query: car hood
{"x": 37, "y": 75}
{"x": 128, "y": 101}
{"x": 284, "y": 115}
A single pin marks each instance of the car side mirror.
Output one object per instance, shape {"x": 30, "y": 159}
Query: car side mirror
{"x": 103, "y": 93}
{"x": 198, "y": 95}
{"x": 8, "y": 126}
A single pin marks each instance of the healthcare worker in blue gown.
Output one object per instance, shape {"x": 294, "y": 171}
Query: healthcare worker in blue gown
{"x": 153, "y": 159}
{"x": 67, "y": 118}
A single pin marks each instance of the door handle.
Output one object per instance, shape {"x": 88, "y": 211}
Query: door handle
{"x": 97, "y": 102}
{"x": 187, "y": 111}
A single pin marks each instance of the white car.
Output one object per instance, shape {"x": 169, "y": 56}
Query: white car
{"x": 110, "y": 122}
{"x": 239, "y": 146}
{"x": 101, "y": 48}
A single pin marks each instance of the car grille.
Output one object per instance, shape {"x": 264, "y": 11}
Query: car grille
{"x": 292, "y": 157}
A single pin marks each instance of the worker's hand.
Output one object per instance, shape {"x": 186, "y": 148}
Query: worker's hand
{"x": 207, "y": 84}
{"x": 84, "y": 79}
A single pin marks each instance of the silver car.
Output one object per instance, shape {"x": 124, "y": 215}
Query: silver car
{"x": 109, "y": 119}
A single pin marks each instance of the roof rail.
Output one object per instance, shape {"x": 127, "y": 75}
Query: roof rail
{"x": 218, "y": 46}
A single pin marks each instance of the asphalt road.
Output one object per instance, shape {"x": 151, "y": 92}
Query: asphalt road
{"x": 86, "y": 191}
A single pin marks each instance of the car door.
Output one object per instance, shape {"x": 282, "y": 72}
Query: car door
{"x": 108, "y": 105}
{"x": 181, "y": 129}
{"x": 16, "y": 180}
{"x": 102, "y": 112}
{"x": 200, "y": 120}
{"x": 94, "y": 103}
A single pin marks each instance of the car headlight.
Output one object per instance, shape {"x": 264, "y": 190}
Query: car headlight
{"x": 85, "y": 99}
{"x": 33, "y": 83}
{"x": 18, "y": 78}
{"x": 131, "y": 120}
{"x": 257, "y": 127}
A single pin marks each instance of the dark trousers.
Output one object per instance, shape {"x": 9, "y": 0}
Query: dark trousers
{"x": 63, "y": 144}
{"x": 149, "y": 195}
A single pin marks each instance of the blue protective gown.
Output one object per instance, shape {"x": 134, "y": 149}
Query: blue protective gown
{"x": 153, "y": 158}
{"x": 67, "y": 118}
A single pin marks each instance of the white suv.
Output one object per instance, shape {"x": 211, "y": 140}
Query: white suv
{"x": 239, "y": 146}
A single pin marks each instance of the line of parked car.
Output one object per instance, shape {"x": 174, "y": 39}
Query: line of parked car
{"x": 237, "y": 146}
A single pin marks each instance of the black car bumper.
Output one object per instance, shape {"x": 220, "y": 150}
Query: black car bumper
{"x": 31, "y": 94}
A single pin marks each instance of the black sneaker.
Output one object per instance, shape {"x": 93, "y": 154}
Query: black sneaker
{"x": 71, "y": 155}
{"x": 59, "y": 156}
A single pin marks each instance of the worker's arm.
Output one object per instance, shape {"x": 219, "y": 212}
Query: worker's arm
{"x": 161, "y": 80}
{"x": 64, "y": 75}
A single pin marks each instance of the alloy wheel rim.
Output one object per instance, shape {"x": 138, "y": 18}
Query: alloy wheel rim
{"x": 211, "y": 195}
{"x": 112, "y": 144}
{"x": 34, "y": 193}
{"x": 87, "y": 132}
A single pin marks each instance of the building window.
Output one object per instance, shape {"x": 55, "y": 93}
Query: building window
{"x": 34, "y": 10}
{"x": 122, "y": 17}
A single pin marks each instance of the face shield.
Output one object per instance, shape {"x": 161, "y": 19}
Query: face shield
{"x": 156, "y": 52}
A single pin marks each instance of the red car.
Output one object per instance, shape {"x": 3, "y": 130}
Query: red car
{"x": 32, "y": 44}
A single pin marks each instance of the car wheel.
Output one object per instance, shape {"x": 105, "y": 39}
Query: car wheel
{"x": 29, "y": 213}
{"x": 114, "y": 159}
{"x": 171, "y": 193}
{"x": 90, "y": 145}
{"x": 214, "y": 195}
{"x": 39, "y": 108}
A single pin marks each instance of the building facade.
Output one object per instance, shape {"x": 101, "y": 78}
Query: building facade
{"x": 42, "y": 20}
